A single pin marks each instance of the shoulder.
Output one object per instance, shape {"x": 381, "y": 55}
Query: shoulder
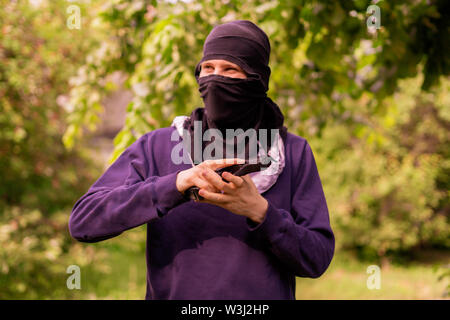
{"x": 295, "y": 145}
{"x": 293, "y": 138}
{"x": 299, "y": 154}
{"x": 160, "y": 139}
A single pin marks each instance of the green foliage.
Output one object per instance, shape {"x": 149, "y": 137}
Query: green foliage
{"x": 322, "y": 53}
{"x": 35, "y": 251}
{"x": 381, "y": 142}
{"x": 444, "y": 276}
{"x": 36, "y": 64}
{"x": 382, "y": 146}
{"x": 387, "y": 183}
{"x": 40, "y": 178}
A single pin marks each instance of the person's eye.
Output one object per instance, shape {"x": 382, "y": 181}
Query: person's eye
{"x": 207, "y": 67}
{"x": 232, "y": 69}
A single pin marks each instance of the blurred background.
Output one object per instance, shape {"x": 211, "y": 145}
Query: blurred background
{"x": 81, "y": 80}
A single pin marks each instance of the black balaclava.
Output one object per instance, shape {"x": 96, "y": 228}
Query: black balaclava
{"x": 232, "y": 103}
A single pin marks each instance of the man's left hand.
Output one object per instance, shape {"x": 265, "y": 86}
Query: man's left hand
{"x": 239, "y": 195}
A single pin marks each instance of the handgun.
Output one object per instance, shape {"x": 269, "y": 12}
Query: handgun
{"x": 235, "y": 169}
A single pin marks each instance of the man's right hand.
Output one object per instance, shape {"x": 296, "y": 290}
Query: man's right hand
{"x": 193, "y": 176}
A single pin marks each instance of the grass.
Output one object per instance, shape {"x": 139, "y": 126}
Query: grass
{"x": 346, "y": 278}
{"x": 125, "y": 275}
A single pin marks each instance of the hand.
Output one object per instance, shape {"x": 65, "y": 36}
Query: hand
{"x": 239, "y": 195}
{"x": 193, "y": 176}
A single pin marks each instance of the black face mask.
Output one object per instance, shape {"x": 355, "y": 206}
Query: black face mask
{"x": 232, "y": 103}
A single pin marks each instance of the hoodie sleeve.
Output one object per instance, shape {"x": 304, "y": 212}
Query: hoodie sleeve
{"x": 302, "y": 239}
{"x": 124, "y": 197}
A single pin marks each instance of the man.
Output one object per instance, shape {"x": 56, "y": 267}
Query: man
{"x": 251, "y": 235}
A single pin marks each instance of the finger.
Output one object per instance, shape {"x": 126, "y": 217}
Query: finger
{"x": 248, "y": 179}
{"x": 230, "y": 187}
{"x": 238, "y": 181}
{"x": 214, "y": 179}
{"x": 217, "y": 182}
{"x": 214, "y": 197}
{"x": 221, "y": 163}
{"x": 205, "y": 185}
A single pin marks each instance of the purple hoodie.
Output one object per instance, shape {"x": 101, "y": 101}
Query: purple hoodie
{"x": 202, "y": 251}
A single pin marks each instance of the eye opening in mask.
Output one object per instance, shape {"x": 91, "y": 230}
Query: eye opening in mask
{"x": 224, "y": 79}
{"x": 248, "y": 71}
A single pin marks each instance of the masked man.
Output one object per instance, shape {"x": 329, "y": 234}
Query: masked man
{"x": 250, "y": 235}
